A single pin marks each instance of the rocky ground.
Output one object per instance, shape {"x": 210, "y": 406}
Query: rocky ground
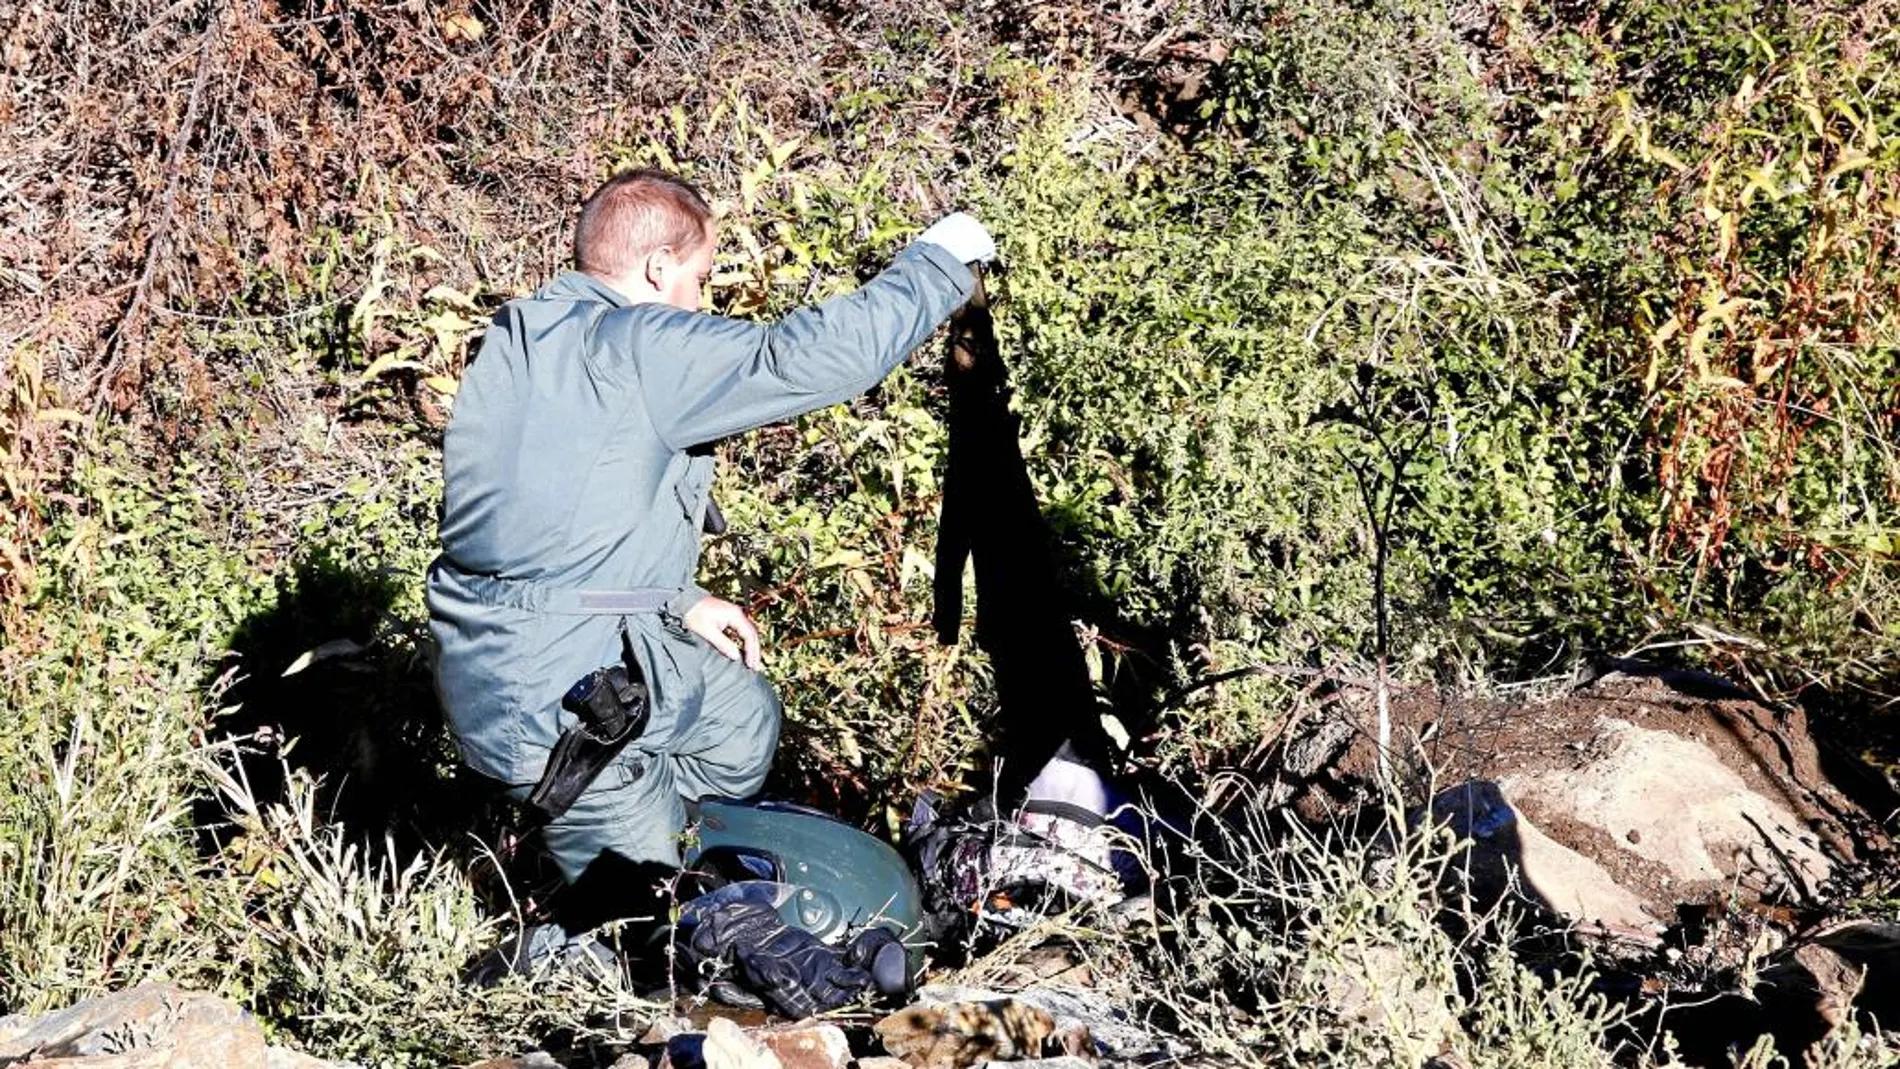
{"x": 1689, "y": 838}
{"x": 160, "y": 1025}
{"x": 1696, "y": 842}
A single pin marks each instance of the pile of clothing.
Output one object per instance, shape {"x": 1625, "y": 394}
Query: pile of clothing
{"x": 788, "y": 909}
{"x": 771, "y": 937}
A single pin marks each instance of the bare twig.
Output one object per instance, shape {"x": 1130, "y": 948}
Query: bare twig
{"x": 116, "y": 348}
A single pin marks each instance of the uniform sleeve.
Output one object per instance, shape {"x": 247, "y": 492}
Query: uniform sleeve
{"x": 705, "y": 377}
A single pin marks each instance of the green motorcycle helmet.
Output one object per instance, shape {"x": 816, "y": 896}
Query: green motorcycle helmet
{"x": 840, "y": 879}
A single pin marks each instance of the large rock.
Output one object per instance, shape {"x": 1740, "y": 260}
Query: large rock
{"x": 1670, "y": 801}
{"x": 151, "y": 1026}
{"x": 1618, "y": 802}
{"x": 1510, "y": 856}
{"x": 1849, "y": 966}
{"x": 1639, "y": 820}
{"x": 1804, "y": 992}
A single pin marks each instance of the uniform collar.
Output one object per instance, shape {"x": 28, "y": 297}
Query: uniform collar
{"x": 579, "y": 285}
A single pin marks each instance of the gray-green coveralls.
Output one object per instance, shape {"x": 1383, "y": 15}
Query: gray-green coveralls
{"x": 567, "y": 473}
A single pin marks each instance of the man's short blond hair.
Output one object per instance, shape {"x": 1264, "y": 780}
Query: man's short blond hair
{"x": 634, "y": 214}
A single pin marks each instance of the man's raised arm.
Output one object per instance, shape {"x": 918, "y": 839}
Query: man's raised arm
{"x": 705, "y": 377}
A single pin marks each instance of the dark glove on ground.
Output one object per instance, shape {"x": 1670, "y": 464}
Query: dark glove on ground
{"x": 740, "y": 928}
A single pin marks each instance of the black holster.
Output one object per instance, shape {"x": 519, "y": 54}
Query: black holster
{"x": 612, "y": 705}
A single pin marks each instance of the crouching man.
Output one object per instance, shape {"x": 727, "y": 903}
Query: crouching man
{"x": 576, "y": 476}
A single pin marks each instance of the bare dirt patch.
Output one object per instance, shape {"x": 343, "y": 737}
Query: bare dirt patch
{"x": 1684, "y": 749}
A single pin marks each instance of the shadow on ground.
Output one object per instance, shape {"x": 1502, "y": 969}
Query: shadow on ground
{"x": 333, "y": 681}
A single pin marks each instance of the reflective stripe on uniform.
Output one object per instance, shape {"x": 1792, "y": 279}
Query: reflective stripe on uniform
{"x": 533, "y": 595}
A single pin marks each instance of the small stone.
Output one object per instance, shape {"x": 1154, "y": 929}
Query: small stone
{"x": 1633, "y": 836}
{"x": 728, "y": 1047}
{"x": 806, "y": 1045}
{"x": 663, "y": 1029}
{"x": 959, "y": 1035}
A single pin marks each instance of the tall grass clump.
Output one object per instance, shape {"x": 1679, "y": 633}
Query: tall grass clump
{"x": 354, "y": 946}
{"x": 136, "y": 845}
{"x": 99, "y": 885}
{"x": 1291, "y": 945}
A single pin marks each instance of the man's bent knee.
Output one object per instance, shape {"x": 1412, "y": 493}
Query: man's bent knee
{"x": 639, "y": 821}
{"x": 729, "y": 753}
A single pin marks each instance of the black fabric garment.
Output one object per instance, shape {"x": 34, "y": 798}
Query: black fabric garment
{"x": 990, "y": 516}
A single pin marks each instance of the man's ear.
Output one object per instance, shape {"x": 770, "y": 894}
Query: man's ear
{"x": 657, "y": 263}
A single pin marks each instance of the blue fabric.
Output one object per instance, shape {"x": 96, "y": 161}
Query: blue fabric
{"x": 570, "y": 461}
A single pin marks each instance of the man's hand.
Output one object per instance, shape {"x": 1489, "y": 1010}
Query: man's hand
{"x": 717, "y": 621}
{"x": 963, "y": 237}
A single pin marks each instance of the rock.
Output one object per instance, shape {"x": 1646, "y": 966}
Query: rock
{"x": 959, "y": 1035}
{"x": 1678, "y": 789}
{"x": 1874, "y": 947}
{"x": 1510, "y": 855}
{"x": 1636, "y": 820}
{"x": 663, "y": 1029}
{"x": 1382, "y": 989}
{"x": 629, "y": 1061}
{"x": 1085, "y": 1021}
{"x": 806, "y": 1045}
{"x": 1308, "y": 753}
{"x": 1692, "y": 816}
{"x": 728, "y": 1047}
{"x": 1849, "y": 966}
{"x": 879, "y": 1061}
{"x": 147, "y": 1027}
{"x": 1305, "y": 761}
{"x": 1806, "y": 991}
{"x": 1821, "y": 977}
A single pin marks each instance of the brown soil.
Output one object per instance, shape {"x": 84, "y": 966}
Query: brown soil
{"x": 1440, "y": 740}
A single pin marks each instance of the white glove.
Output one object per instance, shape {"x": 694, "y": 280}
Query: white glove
{"x": 961, "y": 236}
